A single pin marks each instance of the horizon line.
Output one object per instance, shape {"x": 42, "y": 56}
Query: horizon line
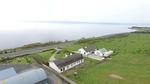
{"x": 84, "y": 22}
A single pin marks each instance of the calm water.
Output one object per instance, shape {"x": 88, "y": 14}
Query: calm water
{"x": 43, "y": 32}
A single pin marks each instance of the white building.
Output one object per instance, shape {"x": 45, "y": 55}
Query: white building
{"x": 92, "y": 50}
{"x": 105, "y": 52}
{"x": 66, "y": 63}
{"x": 98, "y": 53}
{"x": 87, "y": 50}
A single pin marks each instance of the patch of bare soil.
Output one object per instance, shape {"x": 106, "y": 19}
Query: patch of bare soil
{"x": 114, "y": 76}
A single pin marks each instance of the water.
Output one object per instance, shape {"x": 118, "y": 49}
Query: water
{"x": 42, "y": 32}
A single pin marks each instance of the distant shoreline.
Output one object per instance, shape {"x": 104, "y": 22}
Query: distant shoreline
{"x": 35, "y": 49}
{"x": 82, "y": 22}
{"x": 39, "y": 44}
{"x": 36, "y": 45}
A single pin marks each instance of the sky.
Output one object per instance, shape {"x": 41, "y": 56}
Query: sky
{"x": 14, "y": 12}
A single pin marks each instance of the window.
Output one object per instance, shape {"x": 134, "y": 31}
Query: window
{"x": 78, "y": 62}
{"x": 72, "y": 64}
{"x": 62, "y": 69}
{"x": 67, "y": 67}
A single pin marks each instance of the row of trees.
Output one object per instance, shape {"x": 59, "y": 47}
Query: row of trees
{"x": 32, "y": 45}
{"x": 95, "y": 39}
{"x": 2, "y": 59}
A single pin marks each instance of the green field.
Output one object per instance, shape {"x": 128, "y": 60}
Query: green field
{"x": 130, "y": 64}
{"x": 45, "y": 55}
{"x": 61, "y": 54}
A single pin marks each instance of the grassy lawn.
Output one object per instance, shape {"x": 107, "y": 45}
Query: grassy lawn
{"x": 130, "y": 62}
{"x": 46, "y": 54}
{"x": 19, "y": 60}
{"x": 65, "y": 51}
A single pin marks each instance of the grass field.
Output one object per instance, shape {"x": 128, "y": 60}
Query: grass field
{"x": 61, "y": 54}
{"x": 130, "y": 64}
{"x": 46, "y": 54}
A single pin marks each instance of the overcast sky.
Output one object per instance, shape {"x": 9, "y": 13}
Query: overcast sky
{"x": 122, "y": 11}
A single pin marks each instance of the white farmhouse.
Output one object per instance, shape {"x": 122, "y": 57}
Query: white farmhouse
{"x": 66, "y": 63}
{"x": 87, "y": 50}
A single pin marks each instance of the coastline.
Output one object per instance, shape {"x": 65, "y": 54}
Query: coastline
{"x": 54, "y": 43}
{"x": 124, "y": 47}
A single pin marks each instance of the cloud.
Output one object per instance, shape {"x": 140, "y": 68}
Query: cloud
{"x": 101, "y": 10}
{"x": 14, "y": 11}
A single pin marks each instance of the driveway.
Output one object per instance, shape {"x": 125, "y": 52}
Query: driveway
{"x": 52, "y": 58}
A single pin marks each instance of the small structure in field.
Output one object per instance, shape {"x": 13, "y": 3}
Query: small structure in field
{"x": 66, "y": 63}
{"x": 103, "y": 52}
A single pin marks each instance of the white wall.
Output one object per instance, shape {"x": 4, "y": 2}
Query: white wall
{"x": 82, "y": 51}
{"x": 97, "y": 52}
{"x": 106, "y": 54}
{"x": 53, "y": 65}
{"x": 74, "y": 64}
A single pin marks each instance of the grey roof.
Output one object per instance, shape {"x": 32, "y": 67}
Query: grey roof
{"x": 18, "y": 67}
{"x": 103, "y": 50}
{"x": 68, "y": 60}
{"x": 6, "y": 73}
{"x": 28, "y": 77}
{"x": 90, "y": 48}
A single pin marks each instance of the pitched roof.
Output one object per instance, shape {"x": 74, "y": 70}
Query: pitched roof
{"x": 68, "y": 60}
{"x": 90, "y": 48}
{"x": 103, "y": 50}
